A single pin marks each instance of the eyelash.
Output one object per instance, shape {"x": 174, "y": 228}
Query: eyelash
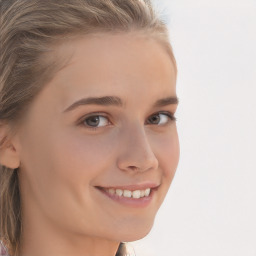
{"x": 82, "y": 121}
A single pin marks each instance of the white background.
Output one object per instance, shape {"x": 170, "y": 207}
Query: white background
{"x": 210, "y": 209}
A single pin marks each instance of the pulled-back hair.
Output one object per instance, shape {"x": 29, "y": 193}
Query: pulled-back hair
{"x": 28, "y": 30}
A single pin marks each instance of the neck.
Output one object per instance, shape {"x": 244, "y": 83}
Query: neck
{"x": 61, "y": 247}
{"x": 43, "y": 241}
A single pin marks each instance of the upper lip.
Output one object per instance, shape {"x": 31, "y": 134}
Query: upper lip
{"x": 139, "y": 186}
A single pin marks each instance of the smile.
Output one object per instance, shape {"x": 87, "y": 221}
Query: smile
{"x": 128, "y": 193}
{"x": 132, "y": 196}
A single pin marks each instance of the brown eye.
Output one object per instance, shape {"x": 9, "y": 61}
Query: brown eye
{"x": 155, "y": 119}
{"x": 160, "y": 118}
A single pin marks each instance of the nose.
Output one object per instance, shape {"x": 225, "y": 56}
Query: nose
{"x": 136, "y": 154}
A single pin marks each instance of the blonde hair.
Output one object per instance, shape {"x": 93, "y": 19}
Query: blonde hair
{"x": 28, "y": 28}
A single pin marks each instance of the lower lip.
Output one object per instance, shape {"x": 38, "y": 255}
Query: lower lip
{"x": 129, "y": 201}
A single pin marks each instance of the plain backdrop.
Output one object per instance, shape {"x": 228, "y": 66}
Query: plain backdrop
{"x": 210, "y": 209}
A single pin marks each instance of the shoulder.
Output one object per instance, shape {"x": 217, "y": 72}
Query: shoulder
{"x": 3, "y": 251}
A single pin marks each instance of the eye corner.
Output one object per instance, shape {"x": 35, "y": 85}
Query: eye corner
{"x": 98, "y": 120}
{"x": 169, "y": 117}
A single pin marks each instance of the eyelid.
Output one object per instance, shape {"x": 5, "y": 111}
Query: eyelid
{"x": 170, "y": 115}
{"x": 81, "y": 120}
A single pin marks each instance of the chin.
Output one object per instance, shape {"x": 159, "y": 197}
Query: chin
{"x": 136, "y": 233}
{"x": 134, "y": 237}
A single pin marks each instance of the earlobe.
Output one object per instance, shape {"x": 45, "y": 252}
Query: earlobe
{"x": 9, "y": 156}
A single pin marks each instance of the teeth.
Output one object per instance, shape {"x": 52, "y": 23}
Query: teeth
{"x": 147, "y": 192}
{"x": 111, "y": 191}
{"x": 128, "y": 193}
{"x": 136, "y": 194}
{"x": 119, "y": 192}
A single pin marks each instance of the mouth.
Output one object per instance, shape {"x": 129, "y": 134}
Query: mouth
{"x": 132, "y": 195}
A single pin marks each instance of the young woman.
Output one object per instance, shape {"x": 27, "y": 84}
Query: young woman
{"x": 89, "y": 144}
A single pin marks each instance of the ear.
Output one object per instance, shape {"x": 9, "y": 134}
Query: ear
{"x": 9, "y": 156}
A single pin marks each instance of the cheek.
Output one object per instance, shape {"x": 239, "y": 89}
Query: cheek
{"x": 80, "y": 160}
{"x": 62, "y": 169}
{"x": 168, "y": 152}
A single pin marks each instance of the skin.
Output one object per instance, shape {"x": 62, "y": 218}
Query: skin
{"x": 62, "y": 159}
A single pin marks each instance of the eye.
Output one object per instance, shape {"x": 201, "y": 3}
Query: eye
{"x": 161, "y": 118}
{"x": 96, "y": 121}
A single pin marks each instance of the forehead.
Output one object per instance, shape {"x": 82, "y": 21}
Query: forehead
{"x": 103, "y": 64}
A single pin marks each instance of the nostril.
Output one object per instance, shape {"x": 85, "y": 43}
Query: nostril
{"x": 134, "y": 168}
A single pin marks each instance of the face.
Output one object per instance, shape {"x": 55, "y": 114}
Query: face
{"x": 99, "y": 146}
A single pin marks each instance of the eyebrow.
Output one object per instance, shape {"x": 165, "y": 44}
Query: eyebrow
{"x": 116, "y": 101}
{"x": 167, "y": 101}
{"x": 102, "y": 101}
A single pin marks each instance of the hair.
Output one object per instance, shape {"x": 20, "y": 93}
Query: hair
{"x": 28, "y": 30}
